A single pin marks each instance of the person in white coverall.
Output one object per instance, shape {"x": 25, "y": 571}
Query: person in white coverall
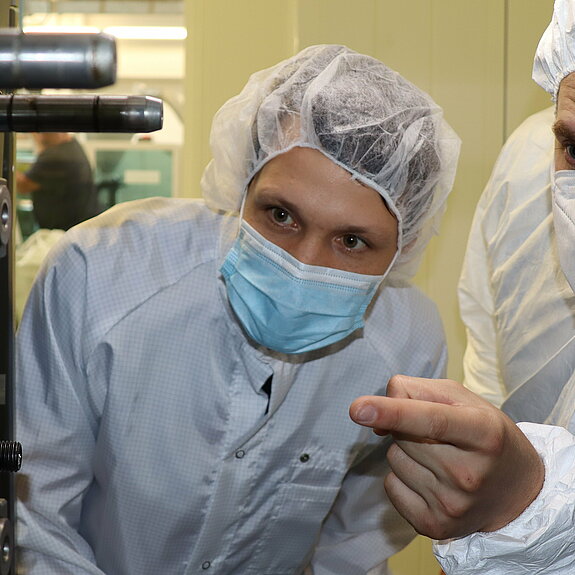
{"x": 500, "y": 497}
{"x": 185, "y": 367}
{"x": 516, "y": 303}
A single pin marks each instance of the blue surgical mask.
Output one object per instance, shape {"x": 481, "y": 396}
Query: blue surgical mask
{"x": 289, "y": 306}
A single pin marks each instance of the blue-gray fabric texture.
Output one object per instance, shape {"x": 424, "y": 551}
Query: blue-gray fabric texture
{"x": 149, "y": 443}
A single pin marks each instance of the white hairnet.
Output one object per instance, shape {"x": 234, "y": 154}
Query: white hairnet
{"x": 555, "y": 54}
{"x": 365, "y": 117}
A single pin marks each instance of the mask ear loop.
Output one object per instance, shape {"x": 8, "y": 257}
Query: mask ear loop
{"x": 243, "y": 205}
{"x": 241, "y": 213}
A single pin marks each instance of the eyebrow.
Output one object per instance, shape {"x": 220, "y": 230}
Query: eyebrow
{"x": 267, "y": 196}
{"x": 275, "y": 196}
{"x": 563, "y": 131}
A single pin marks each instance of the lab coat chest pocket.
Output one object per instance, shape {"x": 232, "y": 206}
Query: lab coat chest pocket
{"x": 301, "y": 506}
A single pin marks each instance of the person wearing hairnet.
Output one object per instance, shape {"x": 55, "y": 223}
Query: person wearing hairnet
{"x": 185, "y": 367}
{"x": 500, "y": 497}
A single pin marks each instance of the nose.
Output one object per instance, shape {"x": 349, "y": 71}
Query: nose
{"x": 311, "y": 250}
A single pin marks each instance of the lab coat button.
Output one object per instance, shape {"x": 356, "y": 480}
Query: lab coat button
{"x": 304, "y": 457}
{"x": 240, "y": 453}
{"x": 206, "y": 565}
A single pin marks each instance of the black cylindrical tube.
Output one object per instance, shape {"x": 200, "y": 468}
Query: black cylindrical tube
{"x": 83, "y": 113}
{"x": 42, "y": 60}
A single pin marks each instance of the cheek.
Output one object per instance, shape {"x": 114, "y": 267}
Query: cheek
{"x": 394, "y": 238}
{"x": 377, "y": 262}
{"x": 252, "y": 215}
{"x": 560, "y": 161}
{"x": 387, "y": 260}
{"x": 259, "y": 221}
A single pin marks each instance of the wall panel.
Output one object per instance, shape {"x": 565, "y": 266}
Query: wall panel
{"x": 227, "y": 41}
{"x": 526, "y": 21}
{"x": 337, "y": 22}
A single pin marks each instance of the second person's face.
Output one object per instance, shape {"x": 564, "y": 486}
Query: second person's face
{"x": 312, "y": 208}
{"x": 564, "y": 127}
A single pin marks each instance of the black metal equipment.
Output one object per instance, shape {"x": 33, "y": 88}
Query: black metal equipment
{"x": 36, "y": 61}
{"x": 83, "y": 113}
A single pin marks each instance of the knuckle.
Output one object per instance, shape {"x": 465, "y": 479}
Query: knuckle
{"x": 495, "y": 437}
{"x": 395, "y": 457}
{"x": 453, "y": 508}
{"x": 438, "y": 426}
{"x": 393, "y": 452}
{"x": 466, "y": 479}
{"x": 393, "y": 384}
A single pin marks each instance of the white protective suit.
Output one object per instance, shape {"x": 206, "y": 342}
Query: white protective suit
{"x": 519, "y": 310}
{"x": 518, "y": 307}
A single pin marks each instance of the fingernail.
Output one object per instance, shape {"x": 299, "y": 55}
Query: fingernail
{"x": 366, "y": 414}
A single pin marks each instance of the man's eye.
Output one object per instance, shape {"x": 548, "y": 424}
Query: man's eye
{"x": 281, "y": 216}
{"x": 352, "y": 242}
{"x": 570, "y": 149}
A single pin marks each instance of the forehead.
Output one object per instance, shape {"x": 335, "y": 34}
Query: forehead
{"x": 305, "y": 178}
{"x": 564, "y": 127}
{"x": 308, "y": 165}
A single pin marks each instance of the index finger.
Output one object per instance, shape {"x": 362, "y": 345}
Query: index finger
{"x": 453, "y": 424}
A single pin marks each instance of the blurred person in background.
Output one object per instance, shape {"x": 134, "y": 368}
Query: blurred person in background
{"x": 59, "y": 182}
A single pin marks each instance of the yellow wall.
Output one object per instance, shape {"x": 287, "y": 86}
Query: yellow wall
{"x": 473, "y": 56}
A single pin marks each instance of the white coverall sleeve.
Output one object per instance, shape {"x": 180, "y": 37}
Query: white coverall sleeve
{"x": 541, "y": 541}
{"x": 480, "y": 363}
{"x": 56, "y": 423}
